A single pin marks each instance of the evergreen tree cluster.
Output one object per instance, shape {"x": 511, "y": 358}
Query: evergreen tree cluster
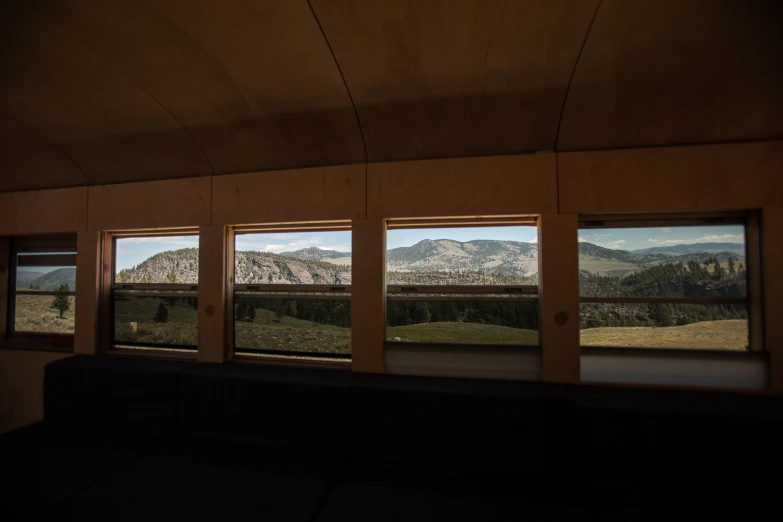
{"x": 512, "y": 314}
{"x": 674, "y": 280}
{"x": 323, "y": 311}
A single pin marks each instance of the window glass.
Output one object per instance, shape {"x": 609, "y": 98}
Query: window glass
{"x": 664, "y": 287}
{"x": 292, "y": 294}
{"x": 149, "y": 311}
{"x": 45, "y": 286}
{"x": 156, "y": 259}
{"x": 491, "y": 274}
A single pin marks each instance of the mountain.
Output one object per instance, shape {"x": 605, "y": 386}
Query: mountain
{"x": 181, "y": 266}
{"x": 267, "y": 268}
{"x": 498, "y": 257}
{"x": 24, "y": 278}
{"x": 430, "y": 261}
{"x": 53, "y": 279}
{"x": 712, "y": 248}
{"x": 316, "y": 254}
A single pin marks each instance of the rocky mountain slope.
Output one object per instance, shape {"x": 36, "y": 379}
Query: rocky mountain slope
{"x": 500, "y": 257}
{"x": 436, "y": 261}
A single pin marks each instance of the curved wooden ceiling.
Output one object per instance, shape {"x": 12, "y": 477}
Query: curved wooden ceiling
{"x": 101, "y": 92}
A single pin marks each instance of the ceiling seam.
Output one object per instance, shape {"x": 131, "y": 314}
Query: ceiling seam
{"x": 145, "y": 91}
{"x": 345, "y": 83}
{"x": 573, "y": 72}
{"x": 52, "y": 144}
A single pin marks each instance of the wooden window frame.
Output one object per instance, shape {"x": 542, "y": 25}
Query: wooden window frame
{"x": 463, "y": 293}
{"x": 64, "y": 246}
{"x": 110, "y": 289}
{"x": 280, "y": 291}
{"x": 753, "y": 301}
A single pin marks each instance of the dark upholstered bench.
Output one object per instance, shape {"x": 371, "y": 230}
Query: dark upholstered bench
{"x": 131, "y": 439}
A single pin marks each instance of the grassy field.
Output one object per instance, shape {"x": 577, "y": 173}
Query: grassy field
{"x": 180, "y": 329}
{"x": 33, "y": 313}
{"x": 723, "y": 335}
{"x": 462, "y": 333}
{"x": 289, "y": 334}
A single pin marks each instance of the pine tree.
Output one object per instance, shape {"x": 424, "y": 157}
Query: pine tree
{"x": 162, "y": 316}
{"x": 731, "y": 266}
{"x": 61, "y": 302}
{"x": 251, "y": 313}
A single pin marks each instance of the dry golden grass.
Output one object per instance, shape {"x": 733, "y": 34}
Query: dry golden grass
{"x": 720, "y": 335}
{"x": 33, "y": 313}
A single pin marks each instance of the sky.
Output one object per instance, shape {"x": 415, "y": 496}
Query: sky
{"x": 133, "y": 250}
{"x": 639, "y": 238}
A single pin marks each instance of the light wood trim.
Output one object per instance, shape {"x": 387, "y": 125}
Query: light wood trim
{"x": 151, "y": 204}
{"x": 772, "y": 253}
{"x": 5, "y": 268}
{"x": 753, "y": 268}
{"x": 470, "y": 221}
{"x": 43, "y": 211}
{"x": 321, "y": 226}
{"x": 88, "y": 291}
{"x": 296, "y": 195}
{"x": 212, "y": 316}
{"x": 106, "y": 275}
{"x": 368, "y": 299}
{"x": 558, "y": 279}
{"x": 707, "y": 178}
{"x": 230, "y": 268}
{"x": 481, "y": 186}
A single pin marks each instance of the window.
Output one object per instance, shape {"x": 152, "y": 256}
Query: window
{"x": 666, "y": 284}
{"x": 42, "y": 297}
{"x": 292, "y": 292}
{"x": 451, "y": 284}
{"x": 154, "y": 292}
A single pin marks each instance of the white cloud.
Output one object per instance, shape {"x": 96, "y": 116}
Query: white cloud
{"x": 534, "y": 240}
{"x": 667, "y": 230}
{"x": 169, "y": 240}
{"x": 611, "y": 244}
{"x": 706, "y": 238}
{"x": 582, "y": 239}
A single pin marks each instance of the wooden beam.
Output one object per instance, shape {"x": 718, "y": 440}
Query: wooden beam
{"x": 212, "y": 313}
{"x": 5, "y": 267}
{"x": 558, "y": 279}
{"x": 368, "y": 299}
{"x": 88, "y": 291}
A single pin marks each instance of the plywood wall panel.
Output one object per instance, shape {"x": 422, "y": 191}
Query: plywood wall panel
{"x": 674, "y": 179}
{"x": 21, "y": 386}
{"x": 153, "y": 204}
{"x": 43, "y": 211}
{"x": 493, "y": 185}
{"x": 558, "y": 282}
{"x": 317, "y": 194}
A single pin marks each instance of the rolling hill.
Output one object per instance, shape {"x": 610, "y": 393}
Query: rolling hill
{"x": 52, "y": 280}
{"x": 738, "y": 249}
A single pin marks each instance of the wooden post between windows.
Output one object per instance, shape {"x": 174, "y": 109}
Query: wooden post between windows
{"x": 558, "y": 290}
{"x": 212, "y": 294}
{"x": 368, "y": 294}
{"x": 772, "y": 253}
{"x": 5, "y": 258}
{"x": 89, "y": 274}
